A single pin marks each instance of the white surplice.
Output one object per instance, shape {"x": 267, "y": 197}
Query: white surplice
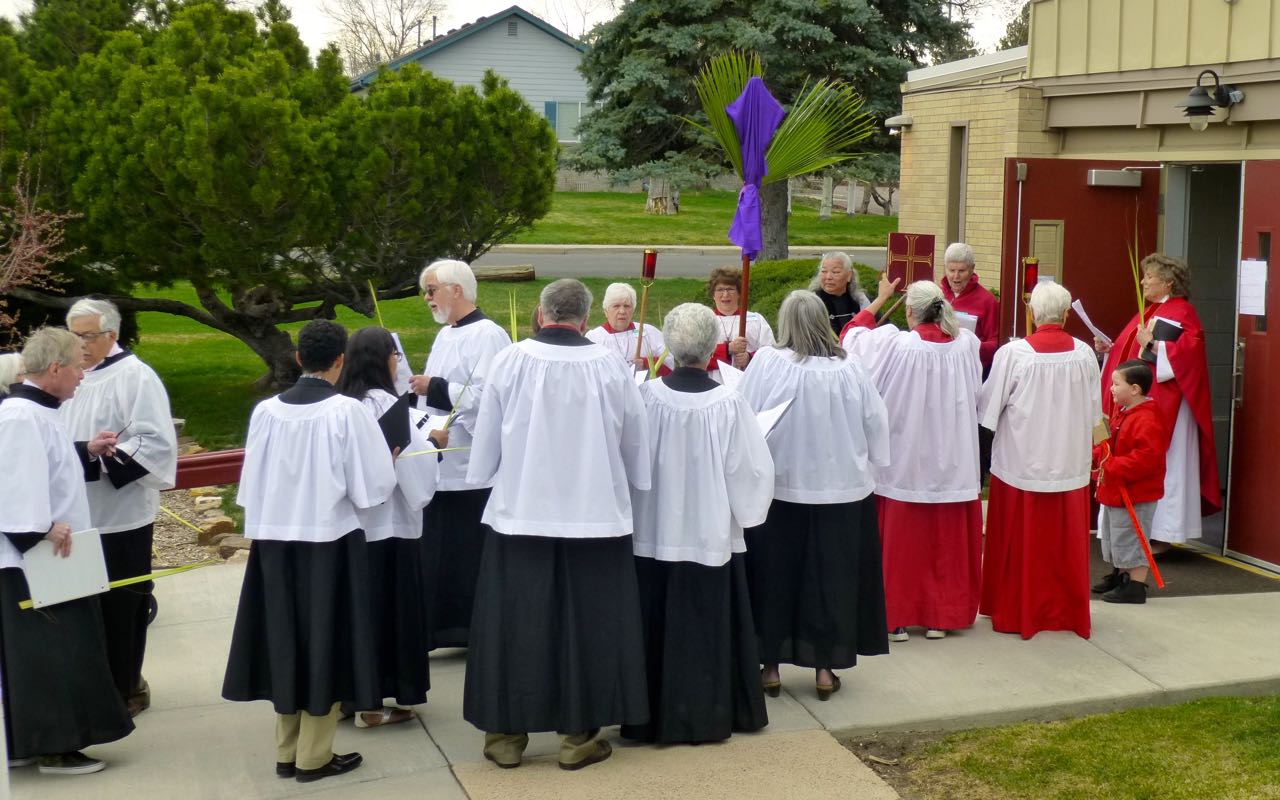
{"x": 833, "y": 436}
{"x": 44, "y": 478}
{"x": 308, "y": 468}
{"x": 112, "y": 396}
{"x": 460, "y": 351}
{"x": 401, "y": 516}
{"x": 1043, "y": 408}
{"x": 1177, "y": 516}
{"x": 624, "y": 343}
{"x": 560, "y": 434}
{"x": 932, "y": 388}
{"x": 711, "y": 475}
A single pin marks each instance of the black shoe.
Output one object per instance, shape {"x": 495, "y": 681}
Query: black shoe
{"x": 285, "y": 769}
{"x": 1108, "y": 583}
{"x": 336, "y": 766}
{"x": 1129, "y": 591}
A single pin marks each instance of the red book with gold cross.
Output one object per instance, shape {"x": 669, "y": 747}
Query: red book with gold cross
{"x": 910, "y": 258}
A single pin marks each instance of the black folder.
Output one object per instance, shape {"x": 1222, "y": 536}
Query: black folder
{"x": 1163, "y": 331}
{"x": 394, "y": 423}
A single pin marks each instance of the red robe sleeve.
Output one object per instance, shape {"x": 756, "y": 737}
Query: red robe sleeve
{"x": 863, "y": 319}
{"x": 988, "y": 329}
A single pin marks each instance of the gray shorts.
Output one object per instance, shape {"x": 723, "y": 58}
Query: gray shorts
{"x": 1120, "y": 546}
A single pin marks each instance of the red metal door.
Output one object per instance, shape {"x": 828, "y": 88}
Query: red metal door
{"x": 1098, "y": 223}
{"x": 1253, "y": 529}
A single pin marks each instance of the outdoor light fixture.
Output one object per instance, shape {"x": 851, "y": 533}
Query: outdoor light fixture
{"x": 897, "y": 124}
{"x": 1200, "y": 101}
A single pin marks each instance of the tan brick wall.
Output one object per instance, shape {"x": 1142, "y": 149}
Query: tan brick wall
{"x": 1004, "y": 120}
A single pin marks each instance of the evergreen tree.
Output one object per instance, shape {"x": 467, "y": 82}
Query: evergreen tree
{"x": 1018, "y": 32}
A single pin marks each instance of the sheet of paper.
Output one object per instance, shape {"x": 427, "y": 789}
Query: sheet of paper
{"x": 730, "y": 375}
{"x": 53, "y": 579}
{"x": 642, "y": 376}
{"x": 768, "y": 418}
{"x": 1252, "y": 297}
{"x": 1078, "y": 307}
{"x": 967, "y": 321}
{"x": 403, "y": 371}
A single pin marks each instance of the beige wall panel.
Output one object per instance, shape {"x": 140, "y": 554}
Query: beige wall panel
{"x": 1043, "y": 52}
{"x": 1210, "y": 31}
{"x": 1073, "y": 37}
{"x": 1225, "y": 138}
{"x": 1092, "y": 110}
{"x": 1120, "y": 141}
{"x": 1251, "y": 30}
{"x": 1104, "y": 36}
{"x": 1171, "y": 32}
{"x": 1135, "y": 23}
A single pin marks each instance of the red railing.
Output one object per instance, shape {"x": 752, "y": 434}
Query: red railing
{"x": 209, "y": 469}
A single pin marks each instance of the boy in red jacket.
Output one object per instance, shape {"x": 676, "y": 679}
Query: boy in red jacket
{"x": 1134, "y": 462}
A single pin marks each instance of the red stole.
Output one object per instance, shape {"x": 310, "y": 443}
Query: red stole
{"x": 931, "y": 332}
{"x": 1051, "y": 338}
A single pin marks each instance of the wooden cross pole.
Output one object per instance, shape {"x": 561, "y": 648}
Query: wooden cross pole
{"x": 744, "y": 297}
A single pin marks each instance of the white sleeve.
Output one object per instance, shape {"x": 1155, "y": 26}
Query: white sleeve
{"x": 635, "y": 435}
{"x": 748, "y": 469}
{"x": 1164, "y": 368}
{"x": 417, "y": 475}
{"x": 370, "y": 475}
{"x": 467, "y": 397}
{"x": 875, "y": 421}
{"x": 151, "y": 440}
{"x": 486, "y": 433}
{"x": 765, "y": 337}
{"x": 870, "y": 346}
{"x": 26, "y": 505}
{"x": 755, "y": 384}
{"x": 995, "y": 392}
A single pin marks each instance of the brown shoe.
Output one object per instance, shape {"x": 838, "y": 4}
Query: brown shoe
{"x": 140, "y": 700}
{"x": 603, "y": 751}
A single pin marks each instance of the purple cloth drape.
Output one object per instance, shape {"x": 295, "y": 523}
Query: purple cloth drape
{"x": 756, "y": 115}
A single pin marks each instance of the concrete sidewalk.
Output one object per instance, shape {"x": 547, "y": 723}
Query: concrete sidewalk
{"x": 192, "y": 745}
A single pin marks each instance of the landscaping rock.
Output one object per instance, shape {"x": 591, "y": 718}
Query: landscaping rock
{"x": 204, "y": 491}
{"x": 239, "y": 557}
{"x": 210, "y": 528}
{"x": 207, "y": 502}
{"x": 231, "y": 545}
{"x": 190, "y": 449}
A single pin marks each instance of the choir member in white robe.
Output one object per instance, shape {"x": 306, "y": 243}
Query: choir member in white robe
{"x": 10, "y": 371}
{"x": 725, "y": 289}
{"x": 393, "y": 528}
{"x": 712, "y": 474}
{"x": 556, "y": 641}
{"x": 621, "y": 334}
{"x": 58, "y": 692}
{"x": 817, "y": 590}
{"x": 454, "y": 378}
{"x": 305, "y": 637}
{"x": 120, "y": 393}
{"x": 1041, "y": 400}
{"x": 930, "y": 512}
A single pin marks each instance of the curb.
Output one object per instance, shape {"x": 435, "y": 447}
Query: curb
{"x": 561, "y": 249}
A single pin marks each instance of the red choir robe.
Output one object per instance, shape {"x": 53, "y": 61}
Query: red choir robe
{"x": 1190, "y": 383}
{"x": 1036, "y": 560}
{"x": 974, "y": 299}
{"x": 931, "y": 552}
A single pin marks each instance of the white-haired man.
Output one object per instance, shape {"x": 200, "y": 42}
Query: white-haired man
{"x": 556, "y": 642}
{"x": 454, "y": 378}
{"x": 120, "y": 393}
{"x": 58, "y": 693}
{"x": 1042, "y": 402}
{"x": 620, "y": 333}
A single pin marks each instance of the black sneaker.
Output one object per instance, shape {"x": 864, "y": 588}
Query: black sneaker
{"x": 1129, "y": 591}
{"x": 1108, "y": 583}
{"x": 70, "y": 764}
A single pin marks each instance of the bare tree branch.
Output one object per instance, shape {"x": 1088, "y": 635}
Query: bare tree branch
{"x": 372, "y": 32}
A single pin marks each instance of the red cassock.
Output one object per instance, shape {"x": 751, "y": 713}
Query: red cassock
{"x": 1190, "y": 382}
{"x": 932, "y": 552}
{"x": 1036, "y": 564}
{"x": 974, "y": 299}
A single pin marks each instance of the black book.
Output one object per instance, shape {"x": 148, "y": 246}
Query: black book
{"x": 394, "y": 423}
{"x": 1162, "y": 331}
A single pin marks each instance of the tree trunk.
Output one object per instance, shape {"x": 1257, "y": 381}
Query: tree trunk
{"x": 773, "y": 220}
{"x": 275, "y": 348}
{"x": 660, "y": 200}
{"x": 828, "y": 197}
{"x": 864, "y": 203}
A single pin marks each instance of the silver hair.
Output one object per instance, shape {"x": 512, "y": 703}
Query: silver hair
{"x": 855, "y": 285}
{"x": 565, "y": 301}
{"x": 448, "y": 271}
{"x": 105, "y": 310}
{"x": 10, "y": 369}
{"x": 961, "y": 252}
{"x": 1049, "y": 302}
{"x": 804, "y": 328}
{"x": 616, "y": 292}
{"x": 926, "y": 304}
{"x": 49, "y": 346}
{"x": 691, "y": 333}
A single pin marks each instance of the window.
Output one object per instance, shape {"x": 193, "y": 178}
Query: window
{"x": 957, "y": 168}
{"x": 512, "y": 30}
{"x": 567, "y": 117}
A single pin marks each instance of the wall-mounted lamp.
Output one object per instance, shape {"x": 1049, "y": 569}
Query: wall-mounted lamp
{"x": 898, "y": 124}
{"x": 1200, "y": 101}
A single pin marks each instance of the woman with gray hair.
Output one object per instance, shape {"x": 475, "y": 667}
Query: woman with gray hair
{"x": 1170, "y": 337}
{"x": 839, "y": 289}
{"x": 620, "y": 334}
{"x": 1042, "y": 404}
{"x": 930, "y": 514}
{"x": 711, "y": 476}
{"x": 10, "y": 372}
{"x": 814, "y": 565}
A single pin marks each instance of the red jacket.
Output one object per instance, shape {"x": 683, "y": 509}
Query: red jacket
{"x": 1136, "y": 456}
{"x": 976, "y": 300}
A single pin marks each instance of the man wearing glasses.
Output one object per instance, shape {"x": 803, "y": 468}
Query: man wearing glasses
{"x": 453, "y": 380}
{"x": 121, "y": 394}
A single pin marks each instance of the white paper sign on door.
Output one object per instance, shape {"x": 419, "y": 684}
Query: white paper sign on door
{"x": 1252, "y": 298}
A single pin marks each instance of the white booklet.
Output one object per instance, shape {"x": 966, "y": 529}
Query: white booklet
{"x": 53, "y": 579}
{"x": 730, "y": 375}
{"x": 768, "y": 418}
{"x": 967, "y": 321}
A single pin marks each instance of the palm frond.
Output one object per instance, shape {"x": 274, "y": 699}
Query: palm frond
{"x": 823, "y": 128}
{"x": 718, "y": 84}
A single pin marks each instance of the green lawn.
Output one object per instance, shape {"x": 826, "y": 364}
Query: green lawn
{"x": 704, "y": 218}
{"x": 1222, "y": 748}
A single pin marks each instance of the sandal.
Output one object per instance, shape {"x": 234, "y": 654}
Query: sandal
{"x": 771, "y": 688}
{"x": 826, "y": 690}
{"x": 385, "y": 716}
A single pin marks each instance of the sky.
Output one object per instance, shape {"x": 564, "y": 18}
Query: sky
{"x": 316, "y": 29}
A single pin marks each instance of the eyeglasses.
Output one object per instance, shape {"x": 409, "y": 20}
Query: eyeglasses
{"x": 396, "y": 355}
{"x": 430, "y": 291}
{"x": 91, "y": 336}
{"x": 725, "y": 290}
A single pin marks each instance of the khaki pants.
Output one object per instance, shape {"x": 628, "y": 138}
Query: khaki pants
{"x": 507, "y": 748}
{"x": 306, "y": 740}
